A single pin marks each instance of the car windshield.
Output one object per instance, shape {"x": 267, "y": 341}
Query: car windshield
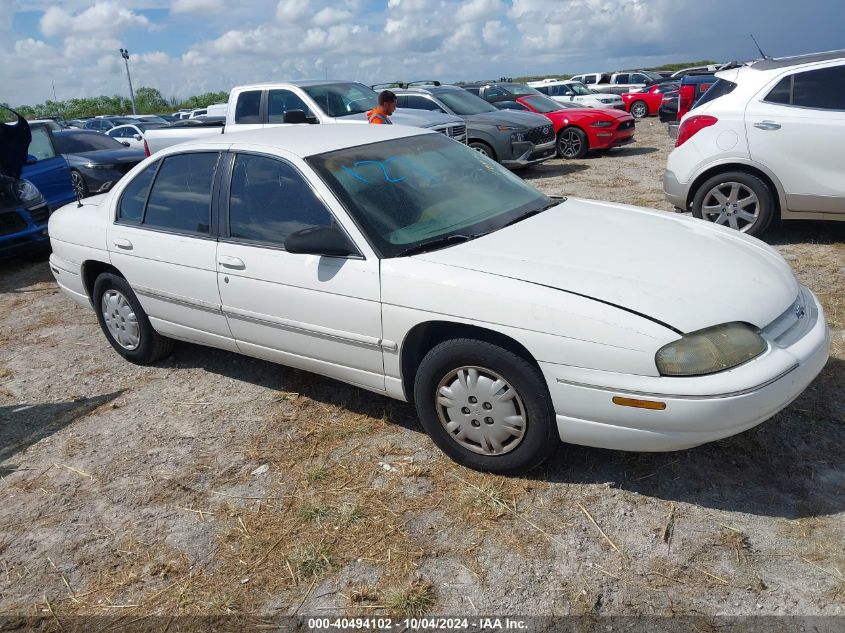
{"x": 409, "y": 191}
{"x": 653, "y": 76}
{"x": 76, "y": 142}
{"x": 343, "y": 99}
{"x": 464, "y": 103}
{"x": 580, "y": 89}
{"x": 542, "y": 103}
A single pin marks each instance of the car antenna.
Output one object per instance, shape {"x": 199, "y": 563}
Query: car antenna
{"x": 758, "y": 47}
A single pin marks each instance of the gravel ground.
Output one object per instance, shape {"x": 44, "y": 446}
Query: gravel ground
{"x": 213, "y": 484}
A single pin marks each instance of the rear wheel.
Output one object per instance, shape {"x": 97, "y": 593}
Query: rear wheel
{"x": 572, "y": 143}
{"x": 639, "y": 109}
{"x": 735, "y": 199}
{"x": 125, "y": 323}
{"x": 485, "y": 407}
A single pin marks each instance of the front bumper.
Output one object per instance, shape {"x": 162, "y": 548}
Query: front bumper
{"x": 698, "y": 410}
{"x": 29, "y": 238}
{"x": 530, "y": 154}
{"x": 675, "y": 192}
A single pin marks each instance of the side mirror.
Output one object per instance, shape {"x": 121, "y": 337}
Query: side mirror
{"x": 294, "y": 116}
{"x": 125, "y": 143}
{"x": 31, "y": 159}
{"x": 320, "y": 240}
{"x": 137, "y": 137}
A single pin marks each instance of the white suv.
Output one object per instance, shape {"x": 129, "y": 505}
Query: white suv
{"x": 765, "y": 141}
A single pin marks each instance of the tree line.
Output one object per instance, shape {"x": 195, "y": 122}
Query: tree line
{"x": 147, "y": 101}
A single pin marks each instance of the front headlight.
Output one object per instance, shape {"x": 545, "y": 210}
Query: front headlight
{"x": 518, "y": 137}
{"x": 601, "y": 123}
{"x": 710, "y": 350}
{"x": 100, "y": 166}
{"x": 606, "y": 100}
{"x": 28, "y": 193}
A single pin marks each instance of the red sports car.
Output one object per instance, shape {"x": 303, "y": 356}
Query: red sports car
{"x": 646, "y": 101}
{"x": 580, "y": 130}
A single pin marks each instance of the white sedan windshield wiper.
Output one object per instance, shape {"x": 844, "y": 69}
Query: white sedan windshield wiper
{"x": 439, "y": 242}
{"x": 528, "y": 214}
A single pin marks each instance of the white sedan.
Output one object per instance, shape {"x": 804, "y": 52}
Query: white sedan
{"x": 400, "y": 261}
{"x": 132, "y": 135}
{"x": 575, "y": 92}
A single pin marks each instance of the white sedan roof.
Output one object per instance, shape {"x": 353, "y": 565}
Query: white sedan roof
{"x": 308, "y": 140}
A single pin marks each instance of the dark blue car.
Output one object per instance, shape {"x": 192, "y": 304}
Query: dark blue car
{"x": 34, "y": 181}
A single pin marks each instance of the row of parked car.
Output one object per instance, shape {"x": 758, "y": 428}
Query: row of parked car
{"x": 728, "y": 167}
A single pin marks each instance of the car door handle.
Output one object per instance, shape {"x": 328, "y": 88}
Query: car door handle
{"x": 231, "y": 262}
{"x": 122, "y": 242}
{"x": 767, "y": 125}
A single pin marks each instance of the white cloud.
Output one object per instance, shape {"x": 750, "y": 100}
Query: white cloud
{"x": 292, "y": 11}
{"x": 495, "y": 33}
{"x": 479, "y": 10}
{"x": 330, "y": 15}
{"x": 197, "y": 6}
{"x": 101, "y": 18}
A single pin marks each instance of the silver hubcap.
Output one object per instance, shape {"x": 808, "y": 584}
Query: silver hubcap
{"x": 732, "y": 204}
{"x": 120, "y": 320}
{"x": 481, "y": 150}
{"x": 481, "y": 411}
{"x": 570, "y": 143}
{"x": 638, "y": 110}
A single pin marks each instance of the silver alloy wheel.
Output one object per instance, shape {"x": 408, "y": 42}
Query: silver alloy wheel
{"x": 733, "y": 204}
{"x": 120, "y": 319}
{"x": 481, "y": 411}
{"x": 78, "y": 183}
{"x": 569, "y": 143}
{"x": 639, "y": 110}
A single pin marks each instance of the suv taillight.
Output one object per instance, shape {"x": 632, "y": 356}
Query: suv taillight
{"x": 146, "y": 148}
{"x": 686, "y": 95}
{"x": 692, "y": 126}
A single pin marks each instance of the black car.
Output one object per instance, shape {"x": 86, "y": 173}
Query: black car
{"x": 668, "y": 111}
{"x": 105, "y": 123}
{"x": 96, "y": 161}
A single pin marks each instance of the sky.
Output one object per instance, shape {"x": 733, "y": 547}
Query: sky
{"x": 187, "y": 47}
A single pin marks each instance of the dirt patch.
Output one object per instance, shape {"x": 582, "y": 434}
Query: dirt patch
{"x": 216, "y": 484}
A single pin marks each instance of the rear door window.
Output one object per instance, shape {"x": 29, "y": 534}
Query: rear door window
{"x": 248, "y": 107}
{"x": 823, "y": 89}
{"x": 721, "y": 88}
{"x": 418, "y": 102}
{"x": 134, "y": 197}
{"x": 621, "y": 79}
{"x": 180, "y": 199}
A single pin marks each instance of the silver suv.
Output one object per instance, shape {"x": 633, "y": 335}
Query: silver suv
{"x": 514, "y": 139}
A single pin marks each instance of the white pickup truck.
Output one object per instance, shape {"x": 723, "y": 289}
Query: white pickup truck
{"x": 324, "y": 102}
{"x": 617, "y": 83}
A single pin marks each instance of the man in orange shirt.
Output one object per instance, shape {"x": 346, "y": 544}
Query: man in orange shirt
{"x": 386, "y": 106}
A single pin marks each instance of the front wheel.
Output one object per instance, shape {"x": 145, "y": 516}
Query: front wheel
{"x": 80, "y": 189}
{"x": 572, "y": 143}
{"x": 482, "y": 148}
{"x": 735, "y": 199}
{"x": 125, "y": 323}
{"x": 485, "y": 407}
{"x": 639, "y": 109}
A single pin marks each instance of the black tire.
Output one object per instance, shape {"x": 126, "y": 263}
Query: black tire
{"x": 78, "y": 182}
{"x": 484, "y": 148}
{"x": 152, "y": 345}
{"x": 639, "y": 109}
{"x": 572, "y": 142}
{"x": 729, "y": 215}
{"x": 539, "y": 429}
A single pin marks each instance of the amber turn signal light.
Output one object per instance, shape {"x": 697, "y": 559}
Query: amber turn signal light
{"x": 639, "y": 404}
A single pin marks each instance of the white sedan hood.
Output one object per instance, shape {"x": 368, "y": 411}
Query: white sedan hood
{"x": 684, "y": 273}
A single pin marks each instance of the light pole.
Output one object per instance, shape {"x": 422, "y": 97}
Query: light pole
{"x": 125, "y": 54}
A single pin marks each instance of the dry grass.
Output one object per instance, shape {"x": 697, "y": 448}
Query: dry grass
{"x": 736, "y": 541}
{"x": 411, "y": 600}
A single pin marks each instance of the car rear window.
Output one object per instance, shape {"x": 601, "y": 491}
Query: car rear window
{"x": 180, "y": 199}
{"x": 721, "y": 88}
{"x": 248, "y": 107}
